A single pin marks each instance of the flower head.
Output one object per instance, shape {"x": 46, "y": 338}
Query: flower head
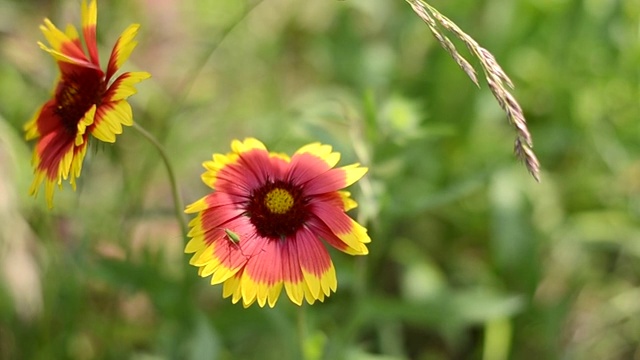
{"x": 261, "y": 228}
{"x": 86, "y": 100}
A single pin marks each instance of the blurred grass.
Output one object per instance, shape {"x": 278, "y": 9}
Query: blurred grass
{"x": 470, "y": 257}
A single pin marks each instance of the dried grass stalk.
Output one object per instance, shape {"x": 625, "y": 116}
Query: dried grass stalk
{"x": 498, "y": 81}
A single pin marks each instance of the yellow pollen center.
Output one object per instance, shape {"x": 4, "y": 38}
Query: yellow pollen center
{"x": 278, "y": 201}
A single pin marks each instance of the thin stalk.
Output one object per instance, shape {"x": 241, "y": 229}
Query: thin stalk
{"x": 184, "y": 87}
{"x": 302, "y": 332}
{"x": 177, "y": 199}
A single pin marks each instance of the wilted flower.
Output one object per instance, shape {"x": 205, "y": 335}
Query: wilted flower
{"x": 86, "y": 100}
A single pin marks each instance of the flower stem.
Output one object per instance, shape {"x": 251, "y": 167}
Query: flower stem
{"x": 302, "y": 332}
{"x": 177, "y": 199}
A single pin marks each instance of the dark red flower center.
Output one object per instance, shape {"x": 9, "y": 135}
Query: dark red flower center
{"x": 277, "y": 209}
{"x": 76, "y": 93}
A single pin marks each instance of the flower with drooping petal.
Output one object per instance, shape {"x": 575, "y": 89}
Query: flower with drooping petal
{"x": 86, "y": 100}
{"x": 261, "y": 229}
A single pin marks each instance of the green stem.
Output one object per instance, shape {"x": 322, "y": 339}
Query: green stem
{"x": 184, "y": 87}
{"x": 177, "y": 199}
{"x": 302, "y": 331}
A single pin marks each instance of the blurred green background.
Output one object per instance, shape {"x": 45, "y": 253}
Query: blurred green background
{"x": 470, "y": 259}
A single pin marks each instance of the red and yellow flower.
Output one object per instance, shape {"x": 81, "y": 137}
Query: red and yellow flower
{"x": 86, "y": 101}
{"x": 260, "y": 229}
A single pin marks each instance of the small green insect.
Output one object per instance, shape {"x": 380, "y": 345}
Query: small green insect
{"x": 233, "y": 237}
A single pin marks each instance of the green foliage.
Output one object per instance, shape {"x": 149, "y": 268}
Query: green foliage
{"x": 471, "y": 258}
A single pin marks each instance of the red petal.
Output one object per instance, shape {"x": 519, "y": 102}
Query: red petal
{"x": 313, "y": 256}
{"x": 329, "y": 181}
{"x": 305, "y": 167}
{"x": 253, "y": 169}
{"x": 48, "y": 121}
{"x": 213, "y": 219}
{"x": 291, "y": 271}
{"x": 322, "y": 231}
{"x": 328, "y": 208}
{"x": 266, "y": 266}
